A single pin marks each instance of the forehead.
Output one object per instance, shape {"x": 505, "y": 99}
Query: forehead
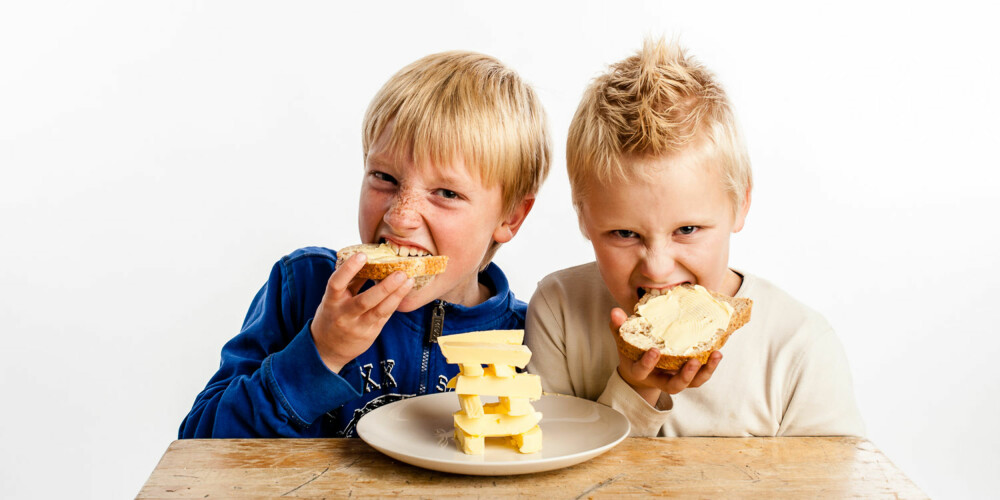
{"x": 682, "y": 188}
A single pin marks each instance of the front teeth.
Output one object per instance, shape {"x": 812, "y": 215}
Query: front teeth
{"x": 653, "y": 292}
{"x": 405, "y": 251}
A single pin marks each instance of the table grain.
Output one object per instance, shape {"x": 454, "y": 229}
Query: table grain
{"x": 787, "y": 467}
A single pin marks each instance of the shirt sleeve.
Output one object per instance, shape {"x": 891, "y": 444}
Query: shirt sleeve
{"x": 645, "y": 419}
{"x": 271, "y": 381}
{"x": 821, "y": 398}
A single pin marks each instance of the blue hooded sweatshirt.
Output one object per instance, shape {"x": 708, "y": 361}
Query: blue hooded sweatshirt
{"x": 272, "y": 383}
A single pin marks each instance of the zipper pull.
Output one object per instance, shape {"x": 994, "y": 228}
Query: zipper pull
{"x": 437, "y": 322}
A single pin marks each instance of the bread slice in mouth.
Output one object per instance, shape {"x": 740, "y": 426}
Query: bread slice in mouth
{"x": 690, "y": 318}
{"x": 384, "y": 260}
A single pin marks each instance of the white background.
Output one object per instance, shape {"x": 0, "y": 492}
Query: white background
{"x": 158, "y": 157}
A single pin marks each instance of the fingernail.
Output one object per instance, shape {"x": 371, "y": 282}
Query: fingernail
{"x": 397, "y": 277}
{"x": 360, "y": 257}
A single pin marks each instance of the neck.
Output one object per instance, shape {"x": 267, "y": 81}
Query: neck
{"x": 473, "y": 295}
{"x": 732, "y": 283}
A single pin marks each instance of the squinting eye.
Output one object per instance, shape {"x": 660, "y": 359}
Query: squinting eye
{"x": 625, "y": 233}
{"x": 384, "y": 177}
{"x": 447, "y": 193}
{"x": 686, "y": 230}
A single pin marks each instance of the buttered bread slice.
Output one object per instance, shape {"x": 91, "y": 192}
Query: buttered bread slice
{"x": 385, "y": 259}
{"x": 687, "y": 322}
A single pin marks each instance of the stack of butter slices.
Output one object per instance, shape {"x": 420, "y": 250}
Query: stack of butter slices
{"x": 387, "y": 258}
{"x": 686, "y": 322}
{"x": 511, "y": 417}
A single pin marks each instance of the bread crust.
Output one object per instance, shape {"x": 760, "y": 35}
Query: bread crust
{"x": 740, "y": 317}
{"x": 414, "y": 267}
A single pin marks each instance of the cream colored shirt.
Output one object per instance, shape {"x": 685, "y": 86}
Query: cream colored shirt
{"x": 782, "y": 374}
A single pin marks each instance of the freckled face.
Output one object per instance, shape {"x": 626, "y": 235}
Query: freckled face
{"x": 441, "y": 209}
{"x": 659, "y": 232}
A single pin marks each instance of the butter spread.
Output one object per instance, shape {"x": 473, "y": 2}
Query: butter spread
{"x": 381, "y": 253}
{"x": 685, "y": 317}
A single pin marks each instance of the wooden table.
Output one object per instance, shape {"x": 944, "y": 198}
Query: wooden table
{"x": 806, "y": 467}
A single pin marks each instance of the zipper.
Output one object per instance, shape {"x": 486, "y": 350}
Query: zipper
{"x": 437, "y": 322}
{"x": 437, "y": 327}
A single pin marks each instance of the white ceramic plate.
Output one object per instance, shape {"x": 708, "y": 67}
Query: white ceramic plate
{"x": 419, "y": 431}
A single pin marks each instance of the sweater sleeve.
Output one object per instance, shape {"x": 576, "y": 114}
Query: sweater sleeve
{"x": 271, "y": 381}
{"x": 546, "y": 332}
{"x": 545, "y": 336}
{"x": 820, "y": 392}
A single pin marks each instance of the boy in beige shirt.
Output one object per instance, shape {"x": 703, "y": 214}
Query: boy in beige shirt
{"x": 660, "y": 179}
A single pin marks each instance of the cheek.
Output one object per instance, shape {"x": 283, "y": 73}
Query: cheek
{"x": 616, "y": 264}
{"x": 464, "y": 238}
{"x": 719, "y": 252}
{"x": 449, "y": 230}
{"x": 708, "y": 260}
{"x": 372, "y": 207}
{"x": 368, "y": 207}
{"x": 369, "y": 199}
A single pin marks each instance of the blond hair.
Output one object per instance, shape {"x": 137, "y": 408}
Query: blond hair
{"x": 657, "y": 102}
{"x": 467, "y": 105}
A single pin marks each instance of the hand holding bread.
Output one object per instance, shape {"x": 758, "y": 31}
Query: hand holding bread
{"x": 671, "y": 342}
{"x": 648, "y": 380}
{"x": 346, "y": 322}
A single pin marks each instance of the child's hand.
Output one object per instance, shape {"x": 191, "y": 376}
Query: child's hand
{"x": 346, "y": 324}
{"x": 649, "y": 381}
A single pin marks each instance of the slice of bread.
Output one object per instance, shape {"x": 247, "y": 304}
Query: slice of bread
{"x": 633, "y": 337}
{"x": 382, "y": 262}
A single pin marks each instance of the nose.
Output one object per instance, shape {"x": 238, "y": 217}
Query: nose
{"x": 404, "y": 212}
{"x": 658, "y": 263}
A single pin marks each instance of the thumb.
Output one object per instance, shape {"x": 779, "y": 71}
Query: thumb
{"x": 618, "y": 317}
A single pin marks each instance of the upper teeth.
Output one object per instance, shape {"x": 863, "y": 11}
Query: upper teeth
{"x": 405, "y": 251}
{"x": 654, "y": 292}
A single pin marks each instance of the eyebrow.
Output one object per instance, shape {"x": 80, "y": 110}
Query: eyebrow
{"x": 438, "y": 176}
{"x": 449, "y": 178}
{"x": 379, "y": 160}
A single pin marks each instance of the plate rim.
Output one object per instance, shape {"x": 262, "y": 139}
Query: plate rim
{"x": 497, "y": 468}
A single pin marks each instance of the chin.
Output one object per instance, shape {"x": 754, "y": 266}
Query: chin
{"x": 628, "y": 304}
{"x": 418, "y": 298}
{"x": 411, "y": 303}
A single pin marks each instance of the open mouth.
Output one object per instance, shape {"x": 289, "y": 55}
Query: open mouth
{"x": 404, "y": 250}
{"x": 654, "y": 292}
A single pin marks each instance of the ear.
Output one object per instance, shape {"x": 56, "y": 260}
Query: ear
{"x": 741, "y": 216}
{"x": 509, "y": 226}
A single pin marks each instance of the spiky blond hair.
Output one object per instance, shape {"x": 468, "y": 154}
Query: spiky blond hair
{"x": 657, "y": 102}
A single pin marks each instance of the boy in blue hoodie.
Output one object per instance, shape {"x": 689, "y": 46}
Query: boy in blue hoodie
{"x": 455, "y": 148}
